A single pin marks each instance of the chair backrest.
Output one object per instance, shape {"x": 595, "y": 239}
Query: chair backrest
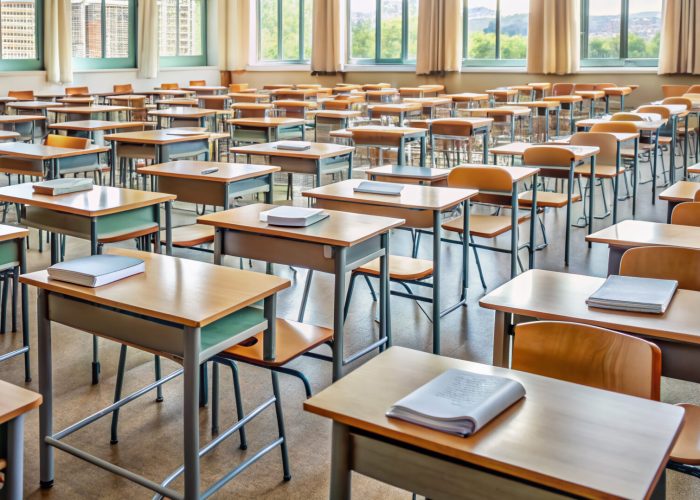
{"x": 605, "y": 141}
{"x": 375, "y": 138}
{"x": 544, "y": 156}
{"x": 237, "y": 87}
{"x": 584, "y": 86}
{"x": 672, "y": 263}
{"x": 484, "y": 178}
{"x": 562, "y": 88}
{"x": 603, "y": 86}
{"x": 198, "y": 83}
{"x": 77, "y": 91}
{"x": 217, "y": 104}
{"x": 684, "y": 101}
{"x": 674, "y": 90}
{"x": 22, "y": 95}
{"x": 589, "y": 355}
{"x": 659, "y": 110}
{"x": 169, "y": 86}
{"x": 65, "y": 141}
{"x": 337, "y": 104}
{"x": 452, "y": 127}
{"x": 616, "y": 127}
{"x": 626, "y": 117}
{"x": 123, "y": 88}
{"x": 251, "y": 110}
{"x": 694, "y": 89}
{"x": 687, "y": 214}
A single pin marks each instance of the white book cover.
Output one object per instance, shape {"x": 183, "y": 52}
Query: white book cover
{"x": 458, "y": 402}
{"x": 293, "y": 145}
{"x": 96, "y": 270}
{"x": 292, "y": 216}
{"x": 375, "y": 187}
{"x": 631, "y": 293}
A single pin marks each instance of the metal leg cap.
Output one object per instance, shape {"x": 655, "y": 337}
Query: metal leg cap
{"x": 45, "y": 485}
{"x": 288, "y": 477}
{"x": 243, "y": 446}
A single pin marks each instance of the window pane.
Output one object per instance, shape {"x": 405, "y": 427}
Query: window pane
{"x": 363, "y": 19}
{"x": 644, "y": 31}
{"x": 481, "y": 29}
{"x": 190, "y": 28}
{"x": 308, "y": 27}
{"x": 391, "y": 29}
{"x": 117, "y": 28}
{"x": 604, "y": 29}
{"x": 268, "y": 29}
{"x": 86, "y": 27}
{"x": 412, "y": 29}
{"x": 514, "y": 19}
{"x": 17, "y": 29}
{"x": 290, "y": 30}
{"x": 167, "y": 20}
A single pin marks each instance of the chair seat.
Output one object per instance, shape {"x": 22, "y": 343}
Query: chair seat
{"x": 400, "y": 268}
{"x": 665, "y": 140}
{"x": 687, "y": 447}
{"x": 483, "y": 226}
{"x": 136, "y": 233}
{"x": 605, "y": 171}
{"x": 190, "y": 236}
{"x": 694, "y": 169}
{"x": 629, "y": 152}
{"x": 292, "y": 340}
{"x": 548, "y": 199}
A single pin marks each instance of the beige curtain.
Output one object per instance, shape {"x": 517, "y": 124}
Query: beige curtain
{"x": 326, "y": 53}
{"x": 553, "y": 37}
{"x": 233, "y": 33}
{"x": 58, "y": 50}
{"x": 439, "y": 36}
{"x": 147, "y": 40}
{"x": 680, "y": 29}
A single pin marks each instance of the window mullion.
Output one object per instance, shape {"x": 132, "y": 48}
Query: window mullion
{"x": 498, "y": 29}
{"x": 624, "y": 28}
{"x": 103, "y": 31}
{"x": 378, "y": 32}
{"x": 301, "y": 31}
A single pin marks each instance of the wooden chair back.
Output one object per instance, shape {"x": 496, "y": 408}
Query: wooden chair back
{"x": 251, "y": 109}
{"x": 77, "y": 91}
{"x": 337, "y": 104}
{"x": 697, "y": 195}
{"x": 21, "y": 95}
{"x": 688, "y": 213}
{"x": 674, "y": 90}
{"x": 124, "y": 88}
{"x": 495, "y": 184}
{"x": 683, "y": 101}
{"x": 452, "y": 127}
{"x": 198, "y": 83}
{"x": 584, "y": 86}
{"x": 549, "y": 156}
{"x": 65, "y": 141}
{"x": 615, "y": 127}
{"x": 603, "y": 86}
{"x": 237, "y": 87}
{"x": 693, "y": 89}
{"x": 659, "y": 110}
{"x": 670, "y": 263}
{"x": 294, "y": 109}
{"x": 626, "y": 117}
{"x": 589, "y": 355}
{"x": 169, "y": 86}
{"x": 562, "y": 89}
{"x": 375, "y": 138}
{"x": 605, "y": 141}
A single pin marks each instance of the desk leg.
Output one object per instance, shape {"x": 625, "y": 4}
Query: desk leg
{"x": 570, "y": 195}
{"x": 501, "y": 340}
{"x": 190, "y": 411}
{"x": 338, "y": 304}
{"x": 340, "y": 463}
{"x": 95, "y": 344}
{"x": 674, "y": 130}
{"x": 437, "y": 271}
{"x": 685, "y": 147}
{"x": 592, "y": 197}
{"x": 513, "y": 233}
{"x": 423, "y": 151}
{"x": 45, "y": 388}
{"x": 384, "y": 293}
{"x": 401, "y": 152}
{"x": 14, "y": 474}
{"x": 533, "y": 219}
{"x": 616, "y": 187}
{"x": 485, "y": 145}
{"x": 113, "y": 165}
{"x": 654, "y": 167}
{"x": 168, "y": 227}
{"x": 635, "y": 177}
{"x": 25, "y": 308}
{"x": 270, "y": 312}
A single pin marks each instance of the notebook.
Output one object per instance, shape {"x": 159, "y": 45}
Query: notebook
{"x": 293, "y": 216}
{"x": 375, "y": 187}
{"x": 96, "y": 270}
{"x": 293, "y": 145}
{"x": 458, "y": 402}
{"x": 186, "y": 132}
{"x": 55, "y": 187}
{"x": 629, "y": 293}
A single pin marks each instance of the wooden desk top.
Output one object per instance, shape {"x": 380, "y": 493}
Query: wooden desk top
{"x": 183, "y": 291}
{"x": 41, "y": 152}
{"x": 228, "y": 172}
{"x": 288, "y": 91}
{"x": 466, "y": 97}
{"x": 88, "y": 110}
{"x": 428, "y": 102}
{"x": 618, "y": 136}
{"x": 396, "y": 107}
{"x": 617, "y": 90}
{"x": 162, "y": 136}
{"x": 508, "y": 91}
{"x": 86, "y": 125}
{"x": 215, "y": 97}
{"x": 8, "y": 134}
{"x": 566, "y": 436}
{"x": 12, "y": 232}
{"x": 172, "y": 92}
{"x": 540, "y": 85}
{"x": 408, "y": 172}
{"x": 550, "y": 295}
{"x": 32, "y": 105}
{"x": 511, "y": 110}
{"x": 694, "y": 169}
{"x": 182, "y": 112}
{"x": 318, "y": 150}
{"x": 540, "y": 104}
{"x": 522, "y": 88}
{"x": 335, "y": 113}
{"x": 341, "y": 229}
{"x": 518, "y": 149}
{"x": 474, "y": 121}
{"x": 87, "y": 100}
{"x": 590, "y": 94}
{"x": 680, "y": 191}
{"x": 125, "y": 97}
{"x": 204, "y": 88}
{"x": 637, "y": 233}
{"x": 381, "y": 92}
{"x": 15, "y": 401}
{"x": 642, "y": 125}
{"x": 20, "y": 118}
{"x": 395, "y": 131}
{"x": 563, "y": 98}
{"x": 248, "y": 94}
{"x": 267, "y": 122}
{"x": 100, "y": 200}
{"x": 517, "y": 174}
{"x": 5, "y": 99}
{"x": 412, "y": 196}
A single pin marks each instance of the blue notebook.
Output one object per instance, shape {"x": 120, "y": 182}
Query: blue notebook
{"x": 96, "y": 270}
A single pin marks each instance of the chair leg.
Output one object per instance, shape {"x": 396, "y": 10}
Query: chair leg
{"x": 3, "y": 314}
{"x": 159, "y": 389}
{"x": 305, "y": 296}
{"x": 15, "y": 296}
{"x": 215, "y": 397}
{"x": 478, "y": 263}
{"x": 371, "y": 288}
{"x": 280, "y": 426}
{"x": 240, "y": 413}
{"x": 348, "y": 295}
{"x": 118, "y": 393}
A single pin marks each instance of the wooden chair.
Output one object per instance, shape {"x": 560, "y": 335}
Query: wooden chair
{"x": 665, "y": 132}
{"x": 456, "y": 135}
{"x": 21, "y": 95}
{"x": 380, "y": 141}
{"x": 675, "y": 263}
{"x": 123, "y": 88}
{"x": 77, "y": 91}
{"x": 198, "y": 83}
{"x": 294, "y": 108}
{"x": 169, "y": 86}
{"x": 559, "y": 89}
{"x": 237, "y": 87}
{"x": 693, "y": 89}
{"x": 683, "y": 134}
{"x": 622, "y": 127}
{"x": 674, "y": 90}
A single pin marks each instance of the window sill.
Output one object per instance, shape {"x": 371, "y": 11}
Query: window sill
{"x": 278, "y": 67}
{"x": 160, "y": 70}
{"x": 642, "y": 70}
{"x": 380, "y": 68}
{"x": 494, "y": 69}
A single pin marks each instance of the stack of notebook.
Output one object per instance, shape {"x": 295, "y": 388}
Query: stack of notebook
{"x": 293, "y": 216}
{"x": 374, "y": 187}
{"x": 96, "y": 270}
{"x": 629, "y": 293}
{"x": 56, "y": 187}
{"x": 458, "y": 402}
{"x": 293, "y": 145}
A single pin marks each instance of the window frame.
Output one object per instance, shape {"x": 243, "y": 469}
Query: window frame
{"x": 280, "y": 47}
{"x": 82, "y": 63}
{"x": 183, "y": 61}
{"x": 37, "y": 63}
{"x": 404, "y": 59}
{"x": 497, "y": 61}
{"x": 621, "y": 62}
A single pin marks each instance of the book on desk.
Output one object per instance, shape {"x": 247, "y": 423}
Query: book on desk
{"x": 633, "y": 294}
{"x": 96, "y": 270}
{"x": 55, "y": 187}
{"x": 294, "y": 145}
{"x": 376, "y": 187}
{"x": 293, "y": 216}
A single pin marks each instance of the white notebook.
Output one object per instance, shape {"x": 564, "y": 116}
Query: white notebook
{"x": 375, "y": 187}
{"x": 293, "y": 216}
{"x": 96, "y": 270}
{"x": 458, "y": 402}
{"x": 293, "y": 145}
{"x": 629, "y": 293}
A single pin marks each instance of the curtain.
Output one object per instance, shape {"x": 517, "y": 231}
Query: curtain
{"x": 439, "y": 36}
{"x": 147, "y": 40}
{"x": 326, "y": 53}
{"x": 680, "y": 28}
{"x": 233, "y": 33}
{"x": 553, "y": 37}
{"x": 58, "y": 50}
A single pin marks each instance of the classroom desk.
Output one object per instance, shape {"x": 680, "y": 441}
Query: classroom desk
{"x": 13, "y": 252}
{"x": 680, "y": 192}
{"x": 49, "y": 96}
{"x": 550, "y": 295}
{"x": 480, "y": 126}
{"x": 619, "y": 92}
{"x": 3, "y": 102}
{"x": 40, "y": 152}
{"x": 540, "y": 89}
{"x": 249, "y": 97}
{"x": 77, "y": 100}
{"x": 523, "y": 89}
{"x": 405, "y": 136}
{"x": 33, "y": 107}
{"x": 8, "y": 136}
{"x": 162, "y": 93}
{"x": 501, "y": 95}
{"x": 18, "y": 120}
{"x": 399, "y": 110}
{"x": 182, "y": 309}
{"x": 269, "y": 127}
{"x": 470, "y": 98}
{"x": 404, "y": 174}
{"x": 91, "y": 127}
{"x": 422, "y": 207}
{"x": 89, "y": 112}
{"x": 185, "y": 113}
{"x": 188, "y": 102}
{"x": 676, "y": 111}
{"x": 206, "y": 89}
{"x": 516, "y": 113}
{"x": 168, "y": 144}
{"x": 336, "y": 118}
{"x": 636, "y": 233}
{"x": 15, "y": 402}
{"x": 567, "y": 102}
{"x": 382, "y": 95}
{"x": 544, "y": 109}
{"x": 321, "y": 158}
{"x": 592, "y": 96}
{"x": 431, "y": 104}
{"x": 338, "y": 244}
{"x": 562, "y": 440}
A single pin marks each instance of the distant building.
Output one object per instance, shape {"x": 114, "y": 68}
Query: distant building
{"x": 18, "y": 29}
{"x": 86, "y": 17}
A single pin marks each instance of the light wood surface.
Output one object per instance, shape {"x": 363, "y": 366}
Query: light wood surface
{"x": 12, "y": 232}
{"x": 15, "y": 401}
{"x": 182, "y": 112}
{"x": 335, "y": 113}
{"x": 517, "y": 174}
{"x": 668, "y": 263}
{"x": 204, "y": 88}
{"x": 188, "y": 169}
{"x": 540, "y": 104}
{"x": 21, "y": 118}
{"x": 554, "y": 436}
{"x": 89, "y": 110}
{"x": 182, "y": 291}
{"x": 641, "y": 125}
{"x": 87, "y": 125}
{"x": 162, "y": 136}
{"x": 33, "y": 105}
{"x": 618, "y": 136}
{"x": 519, "y": 148}
{"x": 100, "y": 200}
{"x": 637, "y": 233}
{"x": 395, "y": 108}
{"x": 409, "y": 172}
{"x": 502, "y": 110}
{"x": 388, "y": 131}
{"x": 687, "y": 213}
{"x": 412, "y": 196}
{"x": 562, "y": 297}
{"x": 318, "y": 150}
{"x": 267, "y": 122}
{"x": 340, "y": 229}
{"x": 41, "y": 152}
{"x": 680, "y": 191}
{"x": 467, "y": 97}
{"x": 8, "y": 134}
